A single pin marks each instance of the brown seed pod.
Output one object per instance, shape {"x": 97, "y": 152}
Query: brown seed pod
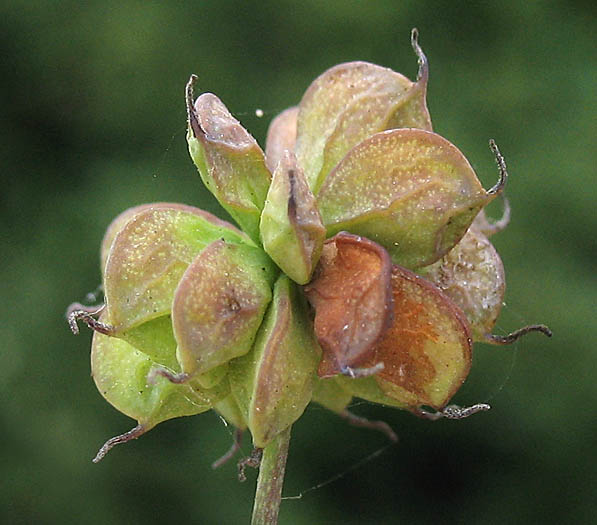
{"x": 352, "y": 298}
{"x": 427, "y": 352}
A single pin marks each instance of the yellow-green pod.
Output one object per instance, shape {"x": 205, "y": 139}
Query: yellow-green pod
{"x": 120, "y": 373}
{"x": 148, "y": 257}
{"x": 331, "y": 394}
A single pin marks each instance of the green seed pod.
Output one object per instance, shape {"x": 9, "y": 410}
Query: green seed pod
{"x": 274, "y": 382}
{"x": 190, "y": 320}
{"x": 156, "y": 339}
{"x": 213, "y": 376}
{"x": 219, "y": 304}
{"x": 120, "y": 373}
{"x": 350, "y": 102}
{"x": 368, "y": 388}
{"x": 149, "y": 256}
{"x": 229, "y": 160}
{"x": 291, "y": 229}
{"x": 472, "y": 275}
{"x": 409, "y": 190}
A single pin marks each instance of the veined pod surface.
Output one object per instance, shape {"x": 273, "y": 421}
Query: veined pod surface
{"x": 348, "y": 103}
{"x": 229, "y": 160}
{"x": 291, "y": 229}
{"x": 274, "y": 382}
{"x": 409, "y": 190}
{"x": 219, "y": 304}
{"x": 149, "y": 256}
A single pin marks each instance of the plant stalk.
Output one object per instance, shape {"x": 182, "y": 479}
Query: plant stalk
{"x": 271, "y": 478}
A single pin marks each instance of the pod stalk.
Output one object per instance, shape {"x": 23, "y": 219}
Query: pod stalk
{"x": 271, "y": 478}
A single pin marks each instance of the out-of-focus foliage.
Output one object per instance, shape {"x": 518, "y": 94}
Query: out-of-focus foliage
{"x": 93, "y": 122}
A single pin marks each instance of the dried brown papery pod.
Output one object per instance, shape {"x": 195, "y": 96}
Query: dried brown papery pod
{"x": 427, "y": 352}
{"x": 352, "y": 298}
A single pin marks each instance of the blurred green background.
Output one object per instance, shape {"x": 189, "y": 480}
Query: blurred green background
{"x": 93, "y": 121}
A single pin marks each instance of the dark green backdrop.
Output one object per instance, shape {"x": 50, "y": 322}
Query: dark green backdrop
{"x": 93, "y": 121}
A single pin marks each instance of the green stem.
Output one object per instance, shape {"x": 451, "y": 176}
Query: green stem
{"x": 271, "y": 478}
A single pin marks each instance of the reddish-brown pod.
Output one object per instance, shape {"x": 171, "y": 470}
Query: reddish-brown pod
{"x": 426, "y": 354}
{"x": 352, "y": 298}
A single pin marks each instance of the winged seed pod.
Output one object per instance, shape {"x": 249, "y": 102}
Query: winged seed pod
{"x": 352, "y": 298}
{"x": 149, "y": 256}
{"x": 219, "y": 304}
{"x": 257, "y": 322}
{"x": 409, "y": 190}
{"x": 120, "y": 373}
